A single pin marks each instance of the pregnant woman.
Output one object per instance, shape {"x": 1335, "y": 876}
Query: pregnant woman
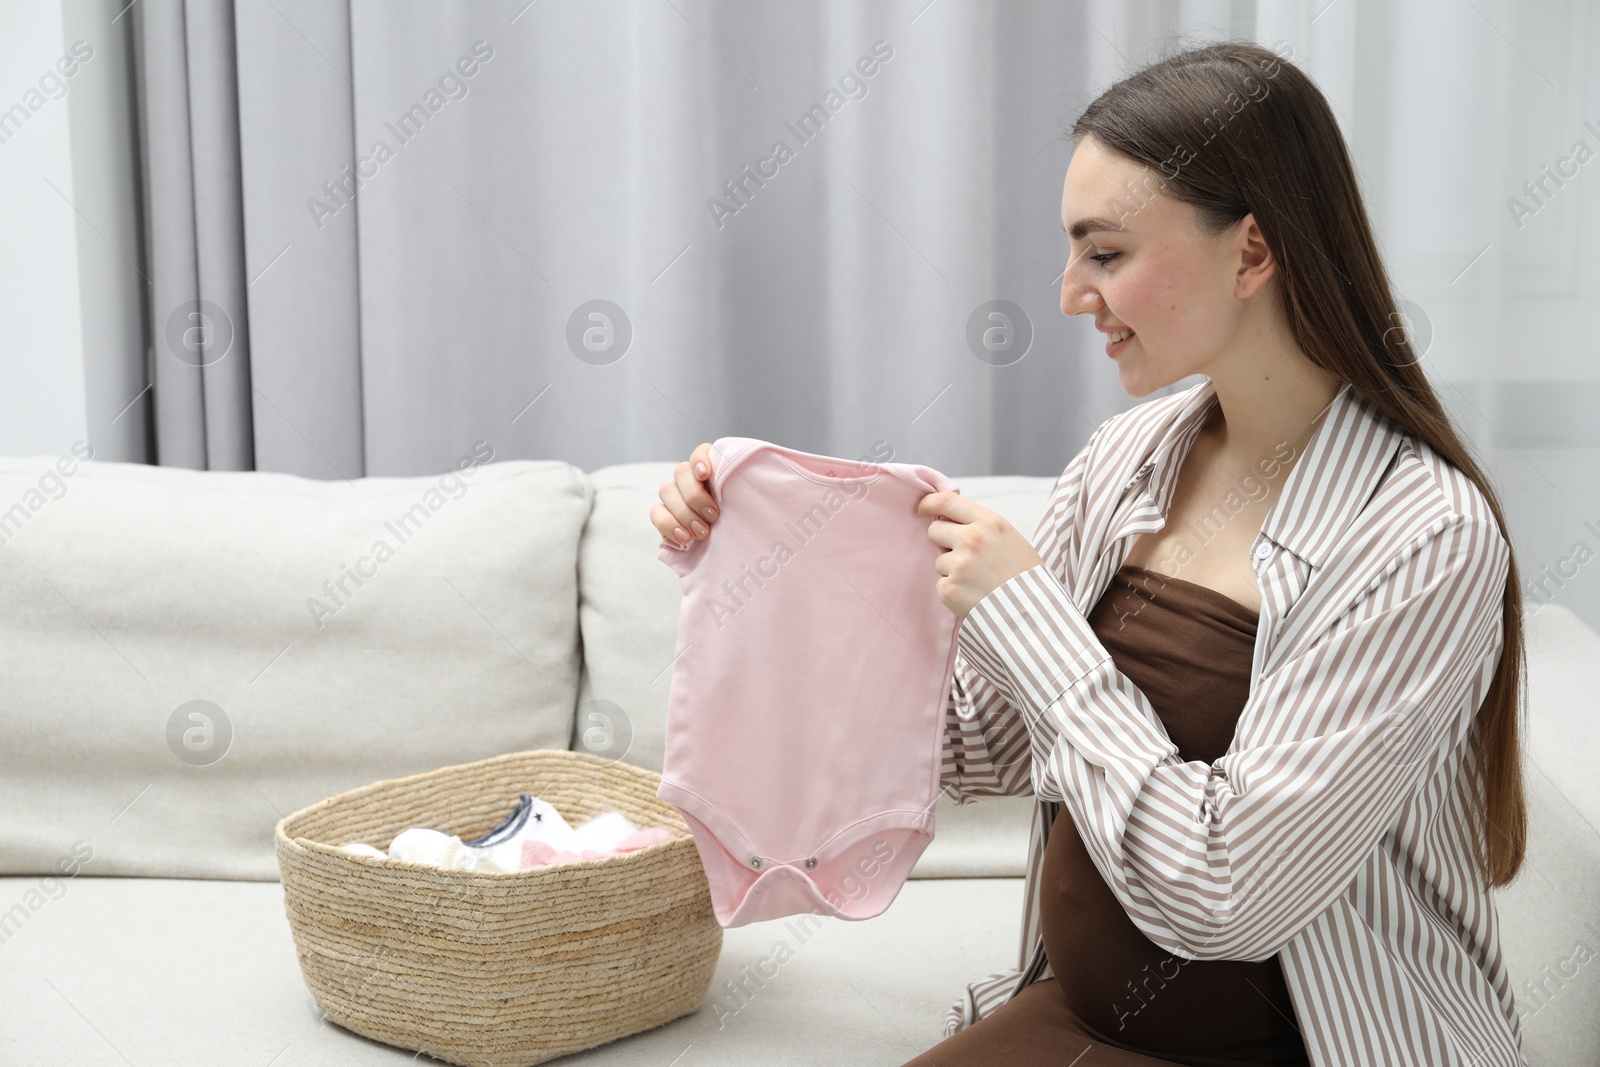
{"x": 1260, "y": 663}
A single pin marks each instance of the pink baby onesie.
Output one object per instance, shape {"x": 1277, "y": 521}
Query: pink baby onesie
{"x": 806, "y": 715}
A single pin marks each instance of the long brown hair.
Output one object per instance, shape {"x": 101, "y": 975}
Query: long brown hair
{"x": 1236, "y": 129}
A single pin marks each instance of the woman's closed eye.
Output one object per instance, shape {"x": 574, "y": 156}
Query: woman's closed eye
{"x": 1105, "y": 257}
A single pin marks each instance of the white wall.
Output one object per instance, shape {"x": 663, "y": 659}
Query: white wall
{"x": 42, "y": 409}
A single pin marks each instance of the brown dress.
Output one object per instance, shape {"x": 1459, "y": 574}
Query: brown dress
{"x": 1117, "y": 1000}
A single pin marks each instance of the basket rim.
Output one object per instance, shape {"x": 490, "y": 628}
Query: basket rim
{"x": 305, "y": 845}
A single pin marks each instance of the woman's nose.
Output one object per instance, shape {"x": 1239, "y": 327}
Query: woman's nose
{"x": 1077, "y": 298}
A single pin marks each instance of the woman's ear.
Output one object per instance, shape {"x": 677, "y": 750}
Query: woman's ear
{"x": 1256, "y": 262}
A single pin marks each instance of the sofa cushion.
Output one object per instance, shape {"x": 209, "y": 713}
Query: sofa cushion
{"x": 628, "y": 610}
{"x": 628, "y": 614}
{"x": 189, "y": 655}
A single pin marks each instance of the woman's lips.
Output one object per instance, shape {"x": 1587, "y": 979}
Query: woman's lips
{"x": 1114, "y": 347}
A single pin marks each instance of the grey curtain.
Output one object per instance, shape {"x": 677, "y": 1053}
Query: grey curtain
{"x": 198, "y": 315}
{"x": 379, "y": 232}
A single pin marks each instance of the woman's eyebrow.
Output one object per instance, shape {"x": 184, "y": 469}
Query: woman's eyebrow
{"x": 1083, "y": 227}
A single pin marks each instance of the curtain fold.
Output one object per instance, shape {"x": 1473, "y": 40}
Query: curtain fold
{"x": 299, "y": 147}
{"x": 198, "y": 313}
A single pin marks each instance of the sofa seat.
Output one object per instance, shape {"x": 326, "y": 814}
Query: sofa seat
{"x": 202, "y": 973}
{"x": 173, "y": 972}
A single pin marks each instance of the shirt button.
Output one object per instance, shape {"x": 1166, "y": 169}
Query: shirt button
{"x": 1263, "y": 550}
{"x": 811, "y": 863}
{"x": 755, "y": 861}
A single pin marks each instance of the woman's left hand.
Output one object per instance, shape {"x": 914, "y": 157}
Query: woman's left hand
{"x": 983, "y": 550}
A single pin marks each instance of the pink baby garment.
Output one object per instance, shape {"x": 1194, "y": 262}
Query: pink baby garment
{"x": 806, "y": 715}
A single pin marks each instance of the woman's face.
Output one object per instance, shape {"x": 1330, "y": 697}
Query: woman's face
{"x": 1142, "y": 264}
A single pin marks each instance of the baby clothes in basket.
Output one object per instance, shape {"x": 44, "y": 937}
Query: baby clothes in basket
{"x": 806, "y": 715}
{"x": 533, "y": 835}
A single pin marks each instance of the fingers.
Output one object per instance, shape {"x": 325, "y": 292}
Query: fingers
{"x": 943, "y": 533}
{"x": 700, "y": 461}
{"x": 933, "y": 505}
{"x": 696, "y": 498}
{"x": 667, "y": 524}
{"x": 686, "y": 510}
{"x": 673, "y": 516}
{"x": 953, "y": 506}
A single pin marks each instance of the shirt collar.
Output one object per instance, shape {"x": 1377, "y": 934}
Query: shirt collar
{"x": 1327, "y": 487}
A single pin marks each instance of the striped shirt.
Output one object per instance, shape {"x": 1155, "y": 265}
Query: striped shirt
{"x": 1336, "y": 830}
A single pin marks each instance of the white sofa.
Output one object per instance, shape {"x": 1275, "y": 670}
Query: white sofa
{"x": 512, "y": 605}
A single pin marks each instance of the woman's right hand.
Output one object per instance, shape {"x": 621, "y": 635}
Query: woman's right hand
{"x": 686, "y": 510}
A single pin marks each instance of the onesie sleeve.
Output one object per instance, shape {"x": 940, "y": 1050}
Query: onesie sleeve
{"x": 986, "y": 743}
{"x": 679, "y": 557}
{"x": 1232, "y": 859}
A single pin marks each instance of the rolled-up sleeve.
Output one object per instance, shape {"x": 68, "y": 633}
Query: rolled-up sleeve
{"x": 986, "y": 743}
{"x": 1231, "y": 859}
{"x": 986, "y": 751}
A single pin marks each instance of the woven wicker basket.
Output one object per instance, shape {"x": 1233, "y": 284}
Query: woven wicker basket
{"x": 498, "y": 968}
